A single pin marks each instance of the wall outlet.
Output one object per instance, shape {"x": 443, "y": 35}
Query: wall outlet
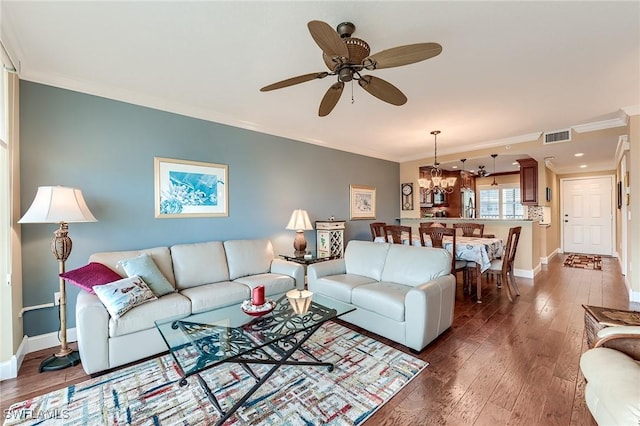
{"x": 56, "y": 298}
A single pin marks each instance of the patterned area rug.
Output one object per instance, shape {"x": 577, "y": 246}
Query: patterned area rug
{"x": 367, "y": 374}
{"x": 583, "y": 261}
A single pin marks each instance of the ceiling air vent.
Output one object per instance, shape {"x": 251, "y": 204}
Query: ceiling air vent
{"x": 557, "y": 136}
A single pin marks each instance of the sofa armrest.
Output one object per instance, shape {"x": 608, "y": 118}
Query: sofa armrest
{"x": 323, "y": 269}
{"x": 624, "y": 338}
{"x": 429, "y": 310}
{"x": 292, "y": 269}
{"x": 92, "y": 327}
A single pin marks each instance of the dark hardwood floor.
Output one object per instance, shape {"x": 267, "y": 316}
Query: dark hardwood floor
{"x": 499, "y": 364}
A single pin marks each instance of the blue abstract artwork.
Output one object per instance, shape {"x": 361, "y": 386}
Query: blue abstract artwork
{"x": 190, "y": 189}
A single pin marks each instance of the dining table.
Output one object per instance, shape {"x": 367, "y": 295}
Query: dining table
{"x": 479, "y": 250}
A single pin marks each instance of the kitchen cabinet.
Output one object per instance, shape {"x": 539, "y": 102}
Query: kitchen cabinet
{"x": 528, "y": 181}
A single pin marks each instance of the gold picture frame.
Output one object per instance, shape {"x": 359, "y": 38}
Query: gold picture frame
{"x": 362, "y": 202}
{"x": 190, "y": 189}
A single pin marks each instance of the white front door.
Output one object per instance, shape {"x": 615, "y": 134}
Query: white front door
{"x": 587, "y": 215}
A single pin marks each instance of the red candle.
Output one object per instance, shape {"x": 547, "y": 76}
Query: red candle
{"x": 257, "y": 295}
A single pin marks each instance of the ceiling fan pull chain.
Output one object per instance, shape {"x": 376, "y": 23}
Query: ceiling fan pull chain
{"x": 353, "y": 101}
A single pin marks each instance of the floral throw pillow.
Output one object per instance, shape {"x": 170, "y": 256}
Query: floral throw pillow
{"x": 121, "y": 296}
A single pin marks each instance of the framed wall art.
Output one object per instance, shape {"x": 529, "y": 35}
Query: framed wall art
{"x": 362, "y": 202}
{"x": 190, "y": 188}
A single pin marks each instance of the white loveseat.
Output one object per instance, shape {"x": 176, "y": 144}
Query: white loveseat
{"x": 401, "y": 292}
{"x": 205, "y": 275}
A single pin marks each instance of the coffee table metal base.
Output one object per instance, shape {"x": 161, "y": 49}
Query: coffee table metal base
{"x": 283, "y": 348}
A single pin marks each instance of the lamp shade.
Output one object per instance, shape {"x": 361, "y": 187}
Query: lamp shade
{"x": 299, "y": 221}
{"x": 57, "y": 204}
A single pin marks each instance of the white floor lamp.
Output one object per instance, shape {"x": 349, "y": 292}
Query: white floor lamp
{"x": 58, "y": 204}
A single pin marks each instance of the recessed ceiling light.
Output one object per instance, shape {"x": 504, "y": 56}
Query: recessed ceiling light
{"x": 578, "y": 154}
{"x": 454, "y": 167}
{"x": 515, "y": 163}
{"x": 583, "y": 166}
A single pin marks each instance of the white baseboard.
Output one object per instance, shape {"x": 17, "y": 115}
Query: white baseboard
{"x": 9, "y": 369}
{"x": 634, "y": 296}
{"x": 545, "y": 260}
{"x": 526, "y": 273}
{"x": 49, "y": 340}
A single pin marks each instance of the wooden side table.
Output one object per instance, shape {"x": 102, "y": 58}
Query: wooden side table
{"x": 597, "y": 317}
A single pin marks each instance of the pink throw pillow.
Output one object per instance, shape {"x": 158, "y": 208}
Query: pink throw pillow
{"x": 91, "y": 275}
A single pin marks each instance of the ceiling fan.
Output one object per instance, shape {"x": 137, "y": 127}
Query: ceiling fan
{"x": 482, "y": 172}
{"x": 346, "y": 57}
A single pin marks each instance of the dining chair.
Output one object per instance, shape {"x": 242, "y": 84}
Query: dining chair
{"x": 397, "y": 233}
{"x": 437, "y": 233}
{"x": 377, "y": 230}
{"x": 503, "y": 268}
{"x": 469, "y": 229}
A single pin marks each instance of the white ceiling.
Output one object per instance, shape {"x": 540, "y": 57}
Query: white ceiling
{"x": 508, "y": 70}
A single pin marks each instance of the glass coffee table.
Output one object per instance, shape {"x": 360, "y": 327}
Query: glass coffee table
{"x": 228, "y": 335}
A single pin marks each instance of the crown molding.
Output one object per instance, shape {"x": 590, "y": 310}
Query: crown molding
{"x": 632, "y": 110}
{"x": 620, "y": 121}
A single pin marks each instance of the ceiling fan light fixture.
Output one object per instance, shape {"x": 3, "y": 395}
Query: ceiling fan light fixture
{"x": 346, "y": 57}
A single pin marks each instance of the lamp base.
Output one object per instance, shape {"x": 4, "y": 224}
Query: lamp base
{"x": 55, "y": 362}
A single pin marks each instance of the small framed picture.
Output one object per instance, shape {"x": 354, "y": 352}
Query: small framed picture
{"x": 190, "y": 188}
{"x": 362, "y": 202}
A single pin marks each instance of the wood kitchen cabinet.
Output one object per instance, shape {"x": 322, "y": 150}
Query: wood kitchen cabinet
{"x": 528, "y": 181}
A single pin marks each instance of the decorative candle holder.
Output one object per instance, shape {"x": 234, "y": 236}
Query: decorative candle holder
{"x": 300, "y": 300}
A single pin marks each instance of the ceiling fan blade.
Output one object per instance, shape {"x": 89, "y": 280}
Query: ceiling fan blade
{"x": 328, "y": 40}
{"x": 402, "y": 55}
{"x": 382, "y": 90}
{"x": 294, "y": 80}
{"x": 330, "y": 99}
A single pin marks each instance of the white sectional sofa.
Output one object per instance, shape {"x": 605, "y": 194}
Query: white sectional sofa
{"x": 401, "y": 292}
{"x": 205, "y": 275}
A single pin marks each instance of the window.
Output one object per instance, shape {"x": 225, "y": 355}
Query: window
{"x": 501, "y": 202}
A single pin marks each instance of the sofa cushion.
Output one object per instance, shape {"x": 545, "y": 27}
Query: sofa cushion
{"x": 384, "y": 298}
{"x": 216, "y": 295}
{"x": 142, "y": 317}
{"x": 413, "y": 266}
{"x": 199, "y": 263}
{"x": 366, "y": 258}
{"x": 121, "y": 296}
{"x": 91, "y": 275}
{"x": 339, "y": 286}
{"x": 248, "y": 257}
{"x": 273, "y": 283}
{"x": 160, "y": 255}
{"x": 144, "y": 267}
{"x": 613, "y": 386}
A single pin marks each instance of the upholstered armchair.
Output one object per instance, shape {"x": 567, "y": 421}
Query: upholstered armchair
{"x": 612, "y": 372}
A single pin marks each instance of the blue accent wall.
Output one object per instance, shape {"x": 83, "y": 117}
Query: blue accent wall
{"x": 107, "y": 148}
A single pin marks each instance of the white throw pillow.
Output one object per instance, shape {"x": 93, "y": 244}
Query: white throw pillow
{"x": 121, "y": 296}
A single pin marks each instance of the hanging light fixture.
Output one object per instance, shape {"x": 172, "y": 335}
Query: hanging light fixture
{"x": 464, "y": 185}
{"x": 437, "y": 183}
{"x": 494, "y": 183}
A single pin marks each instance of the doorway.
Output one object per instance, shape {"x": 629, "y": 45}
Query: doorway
{"x": 587, "y": 215}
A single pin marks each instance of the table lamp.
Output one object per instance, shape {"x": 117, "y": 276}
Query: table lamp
{"x": 299, "y": 222}
{"x": 58, "y": 204}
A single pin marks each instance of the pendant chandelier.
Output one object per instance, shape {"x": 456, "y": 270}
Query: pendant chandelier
{"x": 437, "y": 184}
{"x": 494, "y": 183}
{"x": 464, "y": 183}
